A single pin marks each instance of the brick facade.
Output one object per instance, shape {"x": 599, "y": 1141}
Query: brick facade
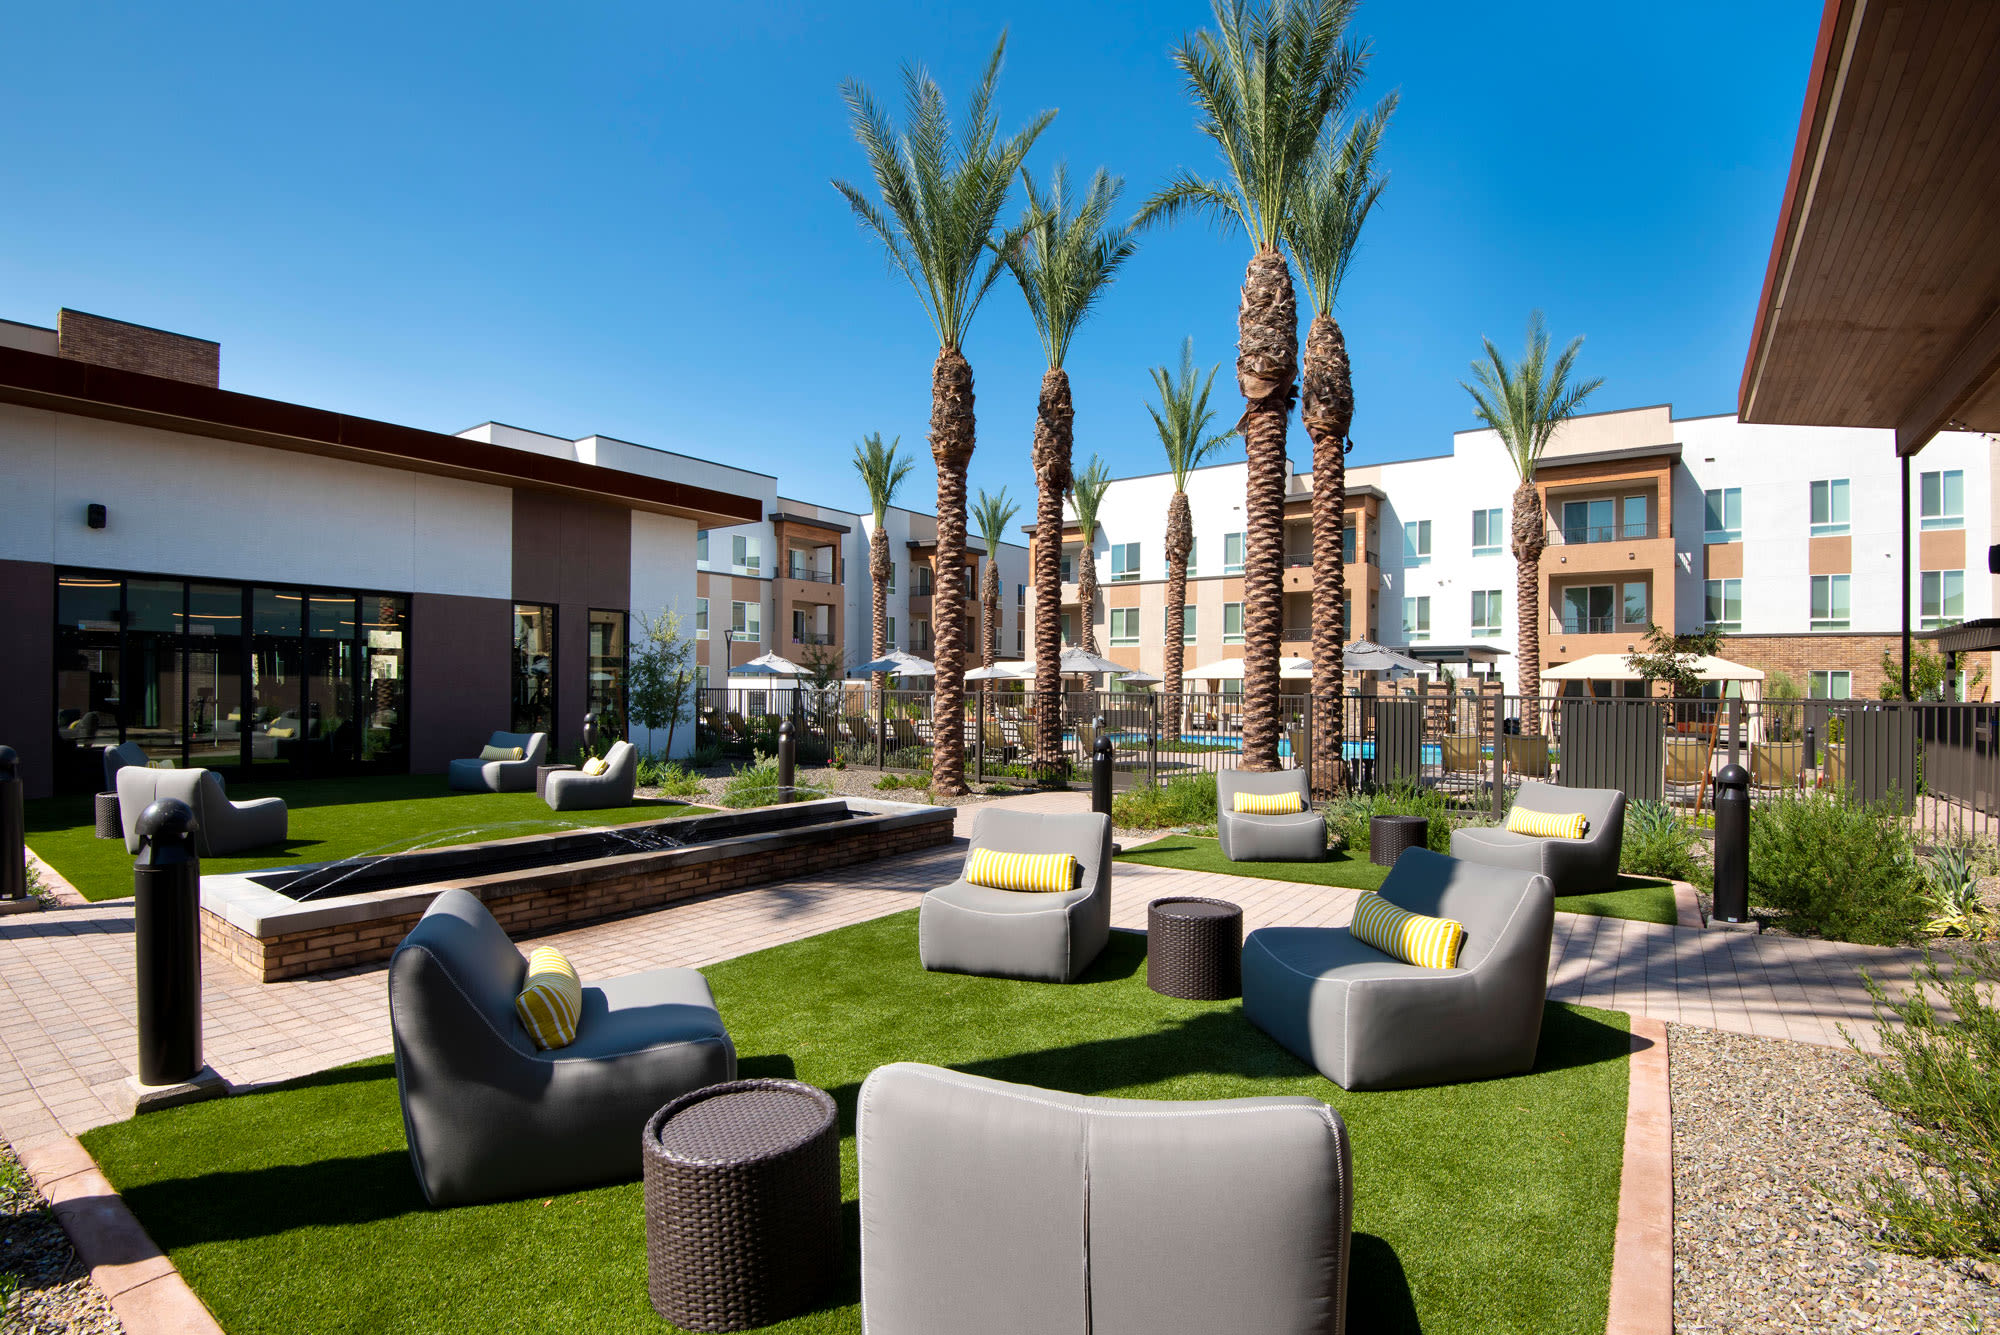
{"x": 1796, "y": 655}
{"x": 530, "y": 904}
{"x": 134, "y": 347}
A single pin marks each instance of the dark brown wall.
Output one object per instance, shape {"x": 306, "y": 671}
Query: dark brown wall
{"x": 27, "y": 683}
{"x": 577, "y": 554}
{"x": 461, "y": 655}
{"x": 134, "y": 347}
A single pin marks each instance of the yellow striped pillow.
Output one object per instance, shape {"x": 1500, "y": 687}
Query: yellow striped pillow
{"x": 552, "y": 1000}
{"x": 1042, "y": 873}
{"x": 1546, "y": 824}
{"x": 1269, "y": 804}
{"x": 1431, "y": 943}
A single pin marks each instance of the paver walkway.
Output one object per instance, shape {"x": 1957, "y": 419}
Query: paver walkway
{"x": 68, "y": 1038}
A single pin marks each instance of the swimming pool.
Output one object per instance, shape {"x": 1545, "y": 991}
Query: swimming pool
{"x": 1433, "y": 752}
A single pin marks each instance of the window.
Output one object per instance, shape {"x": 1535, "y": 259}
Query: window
{"x": 1068, "y": 567}
{"x": 1943, "y": 499}
{"x": 700, "y": 679}
{"x": 920, "y": 635}
{"x": 701, "y": 618}
{"x": 1722, "y": 511}
{"x": 1347, "y": 545}
{"x": 1232, "y": 623}
{"x": 1417, "y": 617}
{"x": 1068, "y": 628}
{"x": 1232, "y": 553}
{"x": 892, "y": 577}
{"x": 1124, "y": 561}
{"x": 1417, "y": 542}
{"x": 1489, "y": 532}
{"x": 605, "y": 690}
{"x": 746, "y": 621}
{"x": 1588, "y": 521}
{"x": 1485, "y": 612}
{"x": 1944, "y": 597}
{"x": 1124, "y": 625}
{"x": 701, "y": 549}
{"x": 1586, "y": 610}
{"x": 1194, "y": 549}
{"x": 743, "y": 554}
{"x": 1021, "y": 595}
{"x": 1722, "y": 603}
{"x": 1837, "y": 684}
{"x": 1634, "y": 603}
{"x": 534, "y": 667}
{"x": 1829, "y": 602}
{"x": 920, "y": 580}
{"x": 1188, "y": 611}
{"x": 1829, "y": 507}
{"x": 891, "y": 631}
{"x": 1632, "y": 518}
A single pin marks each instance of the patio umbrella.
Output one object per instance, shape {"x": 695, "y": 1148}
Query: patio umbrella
{"x": 1002, "y": 672}
{"x": 1076, "y": 661}
{"x": 896, "y": 663}
{"x": 1231, "y": 669}
{"x": 768, "y": 665}
{"x": 1368, "y": 656}
{"x": 1141, "y": 678}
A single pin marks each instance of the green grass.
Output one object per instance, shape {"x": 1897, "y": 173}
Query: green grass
{"x": 329, "y": 819}
{"x": 1637, "y": 898}
{"x": 1480, "y": 1208}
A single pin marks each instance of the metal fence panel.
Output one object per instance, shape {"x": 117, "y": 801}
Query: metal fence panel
{"x": 1613, "y": 744}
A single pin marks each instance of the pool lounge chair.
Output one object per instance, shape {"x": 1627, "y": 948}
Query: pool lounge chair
{"x": 477, "y": 775}
{"x": 1464, "y": 761}
{"x": 573, "y": 790}
{"x": 1573, "y": 866}
{"x": 1041, "y": 937}
{"x": 222, "y": 828}
{"x": 1248, "y": 838}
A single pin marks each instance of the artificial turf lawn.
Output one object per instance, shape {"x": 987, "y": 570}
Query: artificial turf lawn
{"x": 1636, "y": 897}
{"x": 1480, "y": 1208}
{"x": 328, "y": 819}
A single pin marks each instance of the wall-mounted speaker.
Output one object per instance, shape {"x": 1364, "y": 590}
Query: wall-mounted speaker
{"x": 94, "y": 515}
{"x": 1993, "y": 559}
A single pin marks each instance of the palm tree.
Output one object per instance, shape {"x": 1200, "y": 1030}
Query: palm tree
{"x": 1181, "y": 418}
{"x": 1335, "y": 195}
{"x": 1066, "y": 257}
{"x": 1524, "y": 404}
{"x": 941, "y": 199}
{"x": 991, "y": 516}
{"x": 1087, "y": 496}
{"x": 881, "y": 473}
{"x": 1264, "y": 84}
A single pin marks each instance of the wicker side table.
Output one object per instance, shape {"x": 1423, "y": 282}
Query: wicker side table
{"x": 542, "y": 773}
{"x": 1194, "y": 948}
{"x": 109, "y": 824}
{"x": 742, "y": 1203}
{"x": 1388, "y": 836}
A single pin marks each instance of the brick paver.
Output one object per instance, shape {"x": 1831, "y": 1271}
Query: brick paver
{"x": 68, "y": 1038}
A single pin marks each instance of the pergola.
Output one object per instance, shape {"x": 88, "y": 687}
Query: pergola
{"x": 1881, "y": 301}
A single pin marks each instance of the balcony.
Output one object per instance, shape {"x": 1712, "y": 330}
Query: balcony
{"x": 1570, "y": 624}
{"x": 811, "y": 637}
{"x": 812, "y": 574}
{"x": 1578, "y": 535}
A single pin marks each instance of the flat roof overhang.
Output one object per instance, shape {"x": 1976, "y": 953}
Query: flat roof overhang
{"x": 1881, "y": 299}
{"x": 1967, "y": 637}
{"x": 61, "y": 384}
{"x": 1455, "y": 653}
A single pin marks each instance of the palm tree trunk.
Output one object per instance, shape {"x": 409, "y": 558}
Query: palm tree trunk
{"x": 1086, "y": 596}
{"x": 1054, "y": 418}
{"x": 952, "y": 438}
{"x": 1180, "y": 539}
{"x": 990, "y": 636}
{"x": 878, "y": 574}
{"x": 1327, "y": 409}
{"x": 1529, "y": 539}
{"x": 1266, "y": 369}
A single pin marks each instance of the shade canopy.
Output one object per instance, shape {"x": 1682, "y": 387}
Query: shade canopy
{"x": 1141, "y": 678}
{"x": 1368, "y": 656}
{"x": 1231, "y": 669}
{"x": 896, "y": 663}
{"x": 768, "y": 665}
{"x": 1003, "y": 672}
{"x": 1615, "y": 667}
{"x": 1076, "y": 661}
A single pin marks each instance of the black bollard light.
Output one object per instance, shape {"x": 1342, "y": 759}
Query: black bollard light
{"x": 788, "y": 758}
{"x": 1812, "y": 748}
{"x": 166, "y": 887}
{"x": 13, "y": 829}
{"x": 1100, "y": 770}
{"x": 1732, "y": 845}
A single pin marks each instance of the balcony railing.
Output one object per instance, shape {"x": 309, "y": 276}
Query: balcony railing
{"x": 1567, "y": 623}
{"x": 1293, "y": 560}
{"x": 1296, "y": 633}
{"x": 1575, "y": 535}
{"x": 811, "y": 637}
{"x": 813, "y": 573}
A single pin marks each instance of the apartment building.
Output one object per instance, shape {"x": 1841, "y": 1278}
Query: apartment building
{"x": 1786, "y": 538}
{"x": 797, "y": 584}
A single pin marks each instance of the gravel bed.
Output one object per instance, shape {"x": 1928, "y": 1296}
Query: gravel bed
{"x": 43, "y": 1289}
{"x": 1769, "y": 1138}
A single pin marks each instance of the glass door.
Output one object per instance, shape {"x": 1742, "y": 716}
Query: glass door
{"x": 215, "y": 675}
{"x": 331, "y": 725}
{"x": 277, "y": 670}
{"x": 88, "y": 680}
{"x": 155, "y": 681}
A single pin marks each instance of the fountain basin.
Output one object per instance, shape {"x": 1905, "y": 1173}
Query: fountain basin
{"x": 356, "y": 912}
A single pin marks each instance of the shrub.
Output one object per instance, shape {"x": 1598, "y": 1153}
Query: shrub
{"x": 1186, "y": 800}
{"x": 1658, "y": 842}
{"x": 892, "y": 782}
{"x": 1951, "y": 892}
{"x": 1939, "y": 1077}
{"x": 669, "y": 778}
{"x": 1347, "y": 817}
{"x": 706, "y": 756}
{"x": 1837, "y": 868}
{"x": 758, "y": 787}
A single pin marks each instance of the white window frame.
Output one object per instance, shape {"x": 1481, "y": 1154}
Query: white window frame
{"x": 1194, "y": 553}
{"x": 1938, "y": 590}
{"x": 1829, "y": 497}
{"x": 746, "y": 622}
{"x": 1722, "y": 589}
{"x": 1067, "y": 575}
{"x": 1128, "y": 618}
{"x": 1124, "y": 562}
{"x": 746, "y": 555}
{"x": 701, "y": 618}
{"x": 1935, "y": 505}
{"x": 889, "y": 625}
{"x": 1728, "y": 532}
{"x": 1229, "y": 637}
{"x": 701, "y": 549}
{"x": 1188, "y": 622}
{"x": 1233, "y": 566}
{"x": 1823, "y": 588}
{"x": 1416, "y": 542}
{"x": 1487, "y": 614}
{"x": 1820, "y": 684}
{"x": 1417, "y": 618}
{"x": 1496, "y": 526}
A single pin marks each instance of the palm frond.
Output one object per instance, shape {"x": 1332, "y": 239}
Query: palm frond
{"x": 1086, "y": 495}
{"x": 1526, "y": 402}
{"x": 882, "y": 472}
{"x": 938, "y": 198}
{"x": 1065, "y": 253}
{"x": 1182, "y": 416}
{"x": 1335, "y": 194}
{"x": 991, "y": 515}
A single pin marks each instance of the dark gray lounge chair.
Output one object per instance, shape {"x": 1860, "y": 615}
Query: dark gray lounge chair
{"x": 1247, "y": 838}
{"x": 222, "y": 827}
{"x": 1573, "y": 866}
{"x": 503, "y": 776}
{"x": 573, "y": 790}
{"x": 1049, "y": 938}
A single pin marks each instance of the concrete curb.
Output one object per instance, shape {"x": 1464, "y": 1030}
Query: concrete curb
{"x": 1642, "y": 1258}
{"x": 144, "y": 1289}
{"x": 1687, "y": 906}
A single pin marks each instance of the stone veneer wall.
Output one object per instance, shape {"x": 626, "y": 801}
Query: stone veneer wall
{"x": 541, "y": 908}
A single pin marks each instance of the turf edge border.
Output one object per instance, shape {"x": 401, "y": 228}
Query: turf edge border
{"x": 1642, "y": 1254}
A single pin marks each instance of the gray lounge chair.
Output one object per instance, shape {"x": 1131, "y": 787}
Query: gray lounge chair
{"x": 1573, "y": 866}
{"x": 118, "y": 757}
{"x": 992, "y": 1209}
{"x": 489, "y": 1115}
{"x": 1049, "y": 938}
{"x": 1247, "y": 838}
{"x": 503, "y": 776}
{"x": 576, "y": 791}
{"x": 1367, "y": 1021}
{"x": 222, "y": 828}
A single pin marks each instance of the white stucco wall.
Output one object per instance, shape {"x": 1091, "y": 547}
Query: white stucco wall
{"x": 663, "y": 579}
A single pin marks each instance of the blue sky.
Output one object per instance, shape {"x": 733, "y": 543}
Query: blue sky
{"x": 619, "y": 220}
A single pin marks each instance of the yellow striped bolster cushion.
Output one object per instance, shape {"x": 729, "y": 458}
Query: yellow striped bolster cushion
{"x": 552, "y": 999}
{"x": 1269, "y": 804}
{"x": 1043, "y": 873}
{"x": 1431, "y": 943}
{"x": 1546, "y": 824}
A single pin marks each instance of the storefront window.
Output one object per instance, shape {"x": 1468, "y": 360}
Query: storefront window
{"x": 277, "y": 672}
{"x": 534, "y": 668}
{"x": 607, "y": 673}
{"x": 88, "y": 681}
{"x": 154, "y": 703}
{"x": 385, "y": 677}
{"x": 330, "y": 722}
{"x": 215, "y": 674}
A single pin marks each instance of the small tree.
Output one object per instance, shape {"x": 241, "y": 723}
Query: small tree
{"x": 1926, "y": 675}
{"x": 1671, "y": 658}
{"x": 663, "y": 674}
